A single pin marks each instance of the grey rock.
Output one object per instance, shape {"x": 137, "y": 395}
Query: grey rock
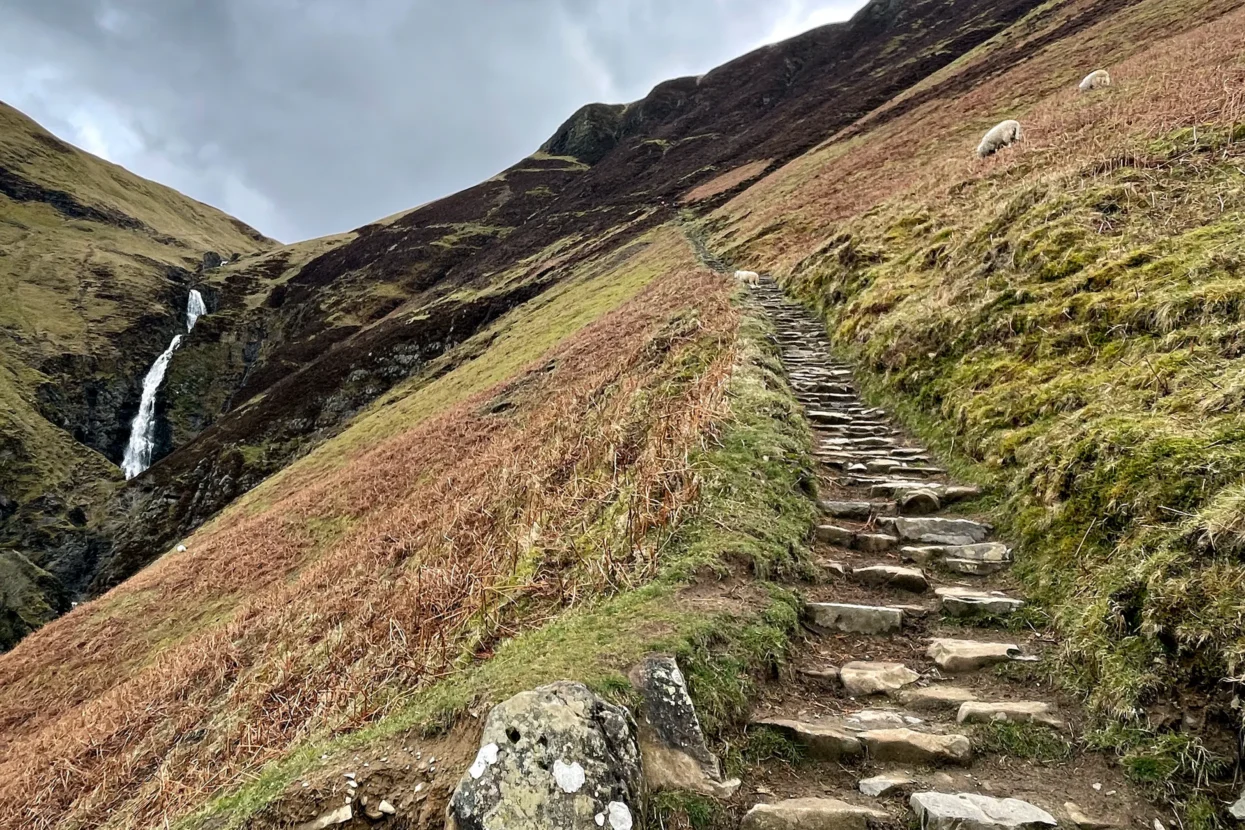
{"x": 936, "y": 698}
{"x": 984, "y": 552}
{"x": 341, "y": 815}
{"x": 833, "y": 535}
{"x": 970, "y": 567}
{"x": 861, "y": 510}
{"x": 211, "y": 260}
{"x": 880, "y": 785}
{"x": 969, "y": 655}
{"x": 829, "y": 742}
{"x": 1084, "y": 822}
{"x": 874, "y": 542}
{"x": 867, "y": 719}
{"x": 969, "y": 811}
{"x": 829, "y": 676}
{"x": 920, "y": 503}
{"x": 968, "y": 602}
{"x": 1018, "y": 711}
{"x": 941, "y": 531}
{"x": 855, "y": 619}
{"x": 386, "y": 808}
{"x": 811, "y": 814}
{"x": 672, "y": 744}
{"x": 907, "y": 579}
{"x": 861, "y": 679}
{"x": 910, "y": 747}
{"x": 555, "y": 757}
{"x": 1237, "y": 809}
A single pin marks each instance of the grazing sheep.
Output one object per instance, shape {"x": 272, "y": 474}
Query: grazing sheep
{"x": 752, "y": 277}
{"x": 1001, "y": 136}
{"x": 1096, "y": 80}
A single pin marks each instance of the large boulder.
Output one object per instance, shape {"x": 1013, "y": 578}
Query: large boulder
{"x": 556, "y": 758}
{"x": 672, "y": 743}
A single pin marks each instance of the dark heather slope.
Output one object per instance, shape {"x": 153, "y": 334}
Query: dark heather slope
{"x": 298, "y": 343}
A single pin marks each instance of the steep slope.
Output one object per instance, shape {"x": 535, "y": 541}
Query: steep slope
{"x": 302, "y": 338}
{"x": 488, "y": 442}
{"x": 95, "y": 267}
{"x": 1064, "y": 318}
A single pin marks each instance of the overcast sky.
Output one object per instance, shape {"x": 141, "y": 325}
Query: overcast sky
{"x": 310, "y": 117}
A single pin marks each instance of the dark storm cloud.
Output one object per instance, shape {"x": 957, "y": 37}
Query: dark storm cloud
{"x": 308, "y": 117}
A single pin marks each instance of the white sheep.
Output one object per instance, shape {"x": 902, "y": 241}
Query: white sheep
{"x": 1001, "y": 136}
{"x": 1096, "y": 80}
{"x": 751, "y": 277}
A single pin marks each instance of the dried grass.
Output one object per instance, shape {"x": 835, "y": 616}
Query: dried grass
{"x": 466, "y": 529}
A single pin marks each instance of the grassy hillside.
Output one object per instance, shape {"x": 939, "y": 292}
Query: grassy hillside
{"x": 95, "y": 266}
{"x": 1066, "y": 318}
{"x": 549, "y": 469}
{"x": 518, "y": 422}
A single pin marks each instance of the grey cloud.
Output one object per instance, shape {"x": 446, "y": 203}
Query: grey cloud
{"x": 309, "y": 117}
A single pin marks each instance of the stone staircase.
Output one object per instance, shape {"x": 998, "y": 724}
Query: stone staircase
{"x": 907, "y": 648}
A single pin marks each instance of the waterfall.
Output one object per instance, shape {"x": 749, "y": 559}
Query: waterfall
{"x": 143, "y": 429}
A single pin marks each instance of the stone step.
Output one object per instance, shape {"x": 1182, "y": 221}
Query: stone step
{"x": 978, "y": 559}
{"x": 845, "y": 537}
{"x": 962, "y": 811}
{"x": 892, "y": 576}
{"x": 959, "y": 656}
{"x": 907, "y": 746}
{"x": 971, "y": 602}
{"x": 812, "y": 814}
{"x": 936, "y": 698}
{"x": 854, "y": 619}
{"x": 919, "y": 503}
{"x": 1015, "y": 711}
{"x": 862, "y": 678}
{"x": 938, "y": 531}
{"x": 861, "y": 510}
{"x": 885, "y": 784}
{"x": 826, "y": 742}
{"x": 948, "y": 493}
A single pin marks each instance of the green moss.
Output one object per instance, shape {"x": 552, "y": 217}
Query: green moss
{"x": 1077, "y": 348}
{"x": 687, "y": 811}
{"x": 1026, "y": 741}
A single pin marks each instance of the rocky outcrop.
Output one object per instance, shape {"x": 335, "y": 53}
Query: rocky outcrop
{"x": 30, "y": 597}
{"x": 555, "y": 758}
{"x": 672, "y": 744}
{"x": 588, "y": 135}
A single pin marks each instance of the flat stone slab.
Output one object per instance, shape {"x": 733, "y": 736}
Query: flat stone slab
{"x": 867, "y": 719}
{"x": 941, "y": 531}
{"x": 968, "y": 655}
{"x": 874, "y": 542}
{"x": 861, "y": 679}
{"x": 910, "y": 747}
{"x": 1019, "y": 711}
{"x": 861, "y": 510}
{"x": 969, "y": 811}
{"x": 971, "y": 567}
{"x": 855, "y": 619}
{"x": 892, "y": 576}
{"x": 811, "y": 814}
{"x": 843, "y": 537}
{"x": 936, "y": 698}
{"x": 880, "y": 785}
{"x": 967, "y": 602}
{"x": 828, "y": 742}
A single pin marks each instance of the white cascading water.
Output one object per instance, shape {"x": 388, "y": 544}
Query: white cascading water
{"x": 143, "y": 429}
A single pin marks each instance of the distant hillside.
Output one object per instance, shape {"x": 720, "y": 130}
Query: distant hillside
{"x": 509, "y": 436}
{"x": 95, "y": 267}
